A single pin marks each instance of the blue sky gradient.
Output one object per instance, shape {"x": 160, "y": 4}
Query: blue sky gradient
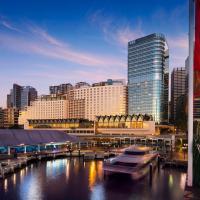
{"x": 51, "y": 42}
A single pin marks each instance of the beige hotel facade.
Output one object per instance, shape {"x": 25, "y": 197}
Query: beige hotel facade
{"x": 85, "y": 102}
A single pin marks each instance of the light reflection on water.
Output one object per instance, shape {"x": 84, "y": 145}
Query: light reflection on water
{"x": 76, "y": 179}
{"x": 6, "y": 185}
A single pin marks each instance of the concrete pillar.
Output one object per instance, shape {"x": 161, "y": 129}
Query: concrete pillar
{"x": 38, "y": 148}
{"x": 190, "y": 91}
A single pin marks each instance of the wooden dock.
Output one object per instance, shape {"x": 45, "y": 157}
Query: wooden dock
{"x": 9, "y": 166}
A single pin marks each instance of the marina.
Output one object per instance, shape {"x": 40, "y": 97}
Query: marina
{"x": 38, "y": 180}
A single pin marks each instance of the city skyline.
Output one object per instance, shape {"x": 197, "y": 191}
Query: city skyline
{"x": 72, "y": 42}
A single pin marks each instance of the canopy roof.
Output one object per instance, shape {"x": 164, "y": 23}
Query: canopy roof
{"x": 12, "y": 137}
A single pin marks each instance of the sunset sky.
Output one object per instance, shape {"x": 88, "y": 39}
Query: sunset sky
{"x": 45, "y": 43}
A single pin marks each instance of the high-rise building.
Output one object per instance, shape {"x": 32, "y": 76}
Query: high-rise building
{"x": 21, "y": 96}
{"x": 80, "y": 103}
{"x": 48, "y": 107}
{"x": 60, "y": 89}
{"x": 109, "y": 99}
{"x": 45, "y": 107}
{"x": 14, "y": 98}
{"x": 9, "y": 102}
{"x": 178, "y": 88}
{"x": 148, "y": 77}
{"x": 28, "y": 94}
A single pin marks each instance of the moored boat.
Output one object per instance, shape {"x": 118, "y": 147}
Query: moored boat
{"x": 134, "y": 161}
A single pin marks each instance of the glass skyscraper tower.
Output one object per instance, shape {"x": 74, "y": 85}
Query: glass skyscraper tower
{"x": 148, "y": 72}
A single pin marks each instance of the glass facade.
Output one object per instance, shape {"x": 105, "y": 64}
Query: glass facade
{"x": 147, "y": 71}
{"x": 28, "y": 94}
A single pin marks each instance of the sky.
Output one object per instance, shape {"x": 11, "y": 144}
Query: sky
{"x": 45, "y": 43}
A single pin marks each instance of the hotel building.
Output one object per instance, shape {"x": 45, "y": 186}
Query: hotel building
{"x": 148, "y": 77}
{"x": 83, "y": 102}
{"x": 109, "y": 98}
{"x": 45, "y": 107}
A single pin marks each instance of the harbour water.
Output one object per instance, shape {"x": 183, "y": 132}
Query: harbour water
{"x": 75, "y": 179}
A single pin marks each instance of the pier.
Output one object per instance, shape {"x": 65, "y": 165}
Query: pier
{"x": 9, "y": 166}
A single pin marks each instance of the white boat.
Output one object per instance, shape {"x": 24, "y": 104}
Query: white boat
{"x": 134, "y": 161}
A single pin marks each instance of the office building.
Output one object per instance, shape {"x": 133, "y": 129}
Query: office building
{"x": 148, "y": 77}
{"x": 28, "y": 94}
{"x": 21, "y": 96}
{"x": 60, "y": 89}
{"x": 8, "y": 101}
{"x": 14, "y": 98}
{"x": 178, "y": 88}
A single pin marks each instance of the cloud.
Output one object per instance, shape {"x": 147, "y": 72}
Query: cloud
{"x": 178, "y": 48}
{"x": 118, "y": 34}
{"x": 126, "y": 34}
{"x": 45, "y": 36}
{"x": 44, "y": 44}
{"x": 8, "y": 25}
{"x": 178, "y": 41}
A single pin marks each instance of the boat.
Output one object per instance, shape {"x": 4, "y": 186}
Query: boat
{"x": 134, "y": 161}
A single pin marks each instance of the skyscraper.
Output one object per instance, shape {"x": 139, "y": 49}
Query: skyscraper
{"x": 14, "y": 99}
{"x": 178, "y": 83}
{"x": 148, "y": 76}
{"x": 28, "y": 94}
{"x": 20, "y": 96}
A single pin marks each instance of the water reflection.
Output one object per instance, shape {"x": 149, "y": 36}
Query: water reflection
{"x": 54, "y": 168}
{"x": 75, "y": 179}
{"x": 5, "y": 185}
{"x": 98, "y": 192}
{"x": 182, "y": 181}
{"x": 171, "y": 181}
{"x": 67, "y": 170}
{"x": 14, "y": 179}
{"x": 31, "y": 188}
{"x": 92, "y": 175}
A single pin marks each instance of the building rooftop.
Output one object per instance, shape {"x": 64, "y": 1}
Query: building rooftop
{"x": 17, "y": 137}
